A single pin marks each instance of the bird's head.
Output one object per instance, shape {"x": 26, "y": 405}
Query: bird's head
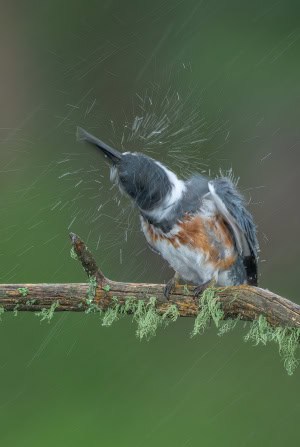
{"x": 147, "y": 182}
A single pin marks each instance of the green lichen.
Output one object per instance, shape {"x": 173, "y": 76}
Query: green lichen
{"x": 47, "y": 314}
{"x": 261, "y": 332}
{"x": 170, "y": 315}
{"x": 147, "y": 319}
{"x": 106, "y": 288}
{"x": 130, "y": 305}
{"x": 30, "y": 302}
{"x": 227, "y": 326}
{"x": 209, "y": 309}
{"x": 186, "y": 289}
{"x": 288, "y": 341}
{"x": 112, "y": 314}
{"x": 23, "y": 291}
{"x": 91, "y": 291}
{"x": 145, "y": 315}
{"x": 15, "y": 310}
{"x": 92, "y": 308}
{"x": 73, "y": 254}
{"x": 90, "y": 296}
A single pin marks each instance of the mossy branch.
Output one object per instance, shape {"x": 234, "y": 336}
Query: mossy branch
{"x": 243, "y": 302}
{"x": 274, "y": 318}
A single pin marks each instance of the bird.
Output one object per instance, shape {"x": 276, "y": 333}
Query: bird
{"x": 200, "y": 226}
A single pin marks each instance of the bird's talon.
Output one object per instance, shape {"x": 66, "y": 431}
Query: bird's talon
{"x": 169, "y": 288}
{"x": 200, "y": 289}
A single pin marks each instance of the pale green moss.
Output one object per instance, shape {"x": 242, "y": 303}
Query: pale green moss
{"x": 143, "y": 313}
{"x": 288, "y": 341}
{"x": 91, "y": 291}
{"x": 147, "y": 319}
{"x": 170, "y": 315}
{"x": 186, "y": 289}
{"x": 91, "y": 309}
{"x": 2, "y": 310}
{"x": 130, "y": 305}
{"x": 47, "y": 314}
{"x": 23, "y": 291}
{"x": 260, "y": 331}
{"x": 73, "y": 254}
{"x": 227, "y": 326}
{"x": 16, "y": 310}
{"x": 90, "y": 296}
{"x": 209, "y": 309}
{"x": 117, "y": 311}
{"x": 287, "y": 338}
{"x": 110, "y": 316}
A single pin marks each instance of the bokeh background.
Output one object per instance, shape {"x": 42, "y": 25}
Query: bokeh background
{"x": 202, "y": 86}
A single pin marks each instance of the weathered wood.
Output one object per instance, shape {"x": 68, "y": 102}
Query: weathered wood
{"x": 86, "y": 258}
{"x": 245, "y": 302}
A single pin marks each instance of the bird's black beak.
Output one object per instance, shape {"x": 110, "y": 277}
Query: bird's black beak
{"x": 114, "y": 155}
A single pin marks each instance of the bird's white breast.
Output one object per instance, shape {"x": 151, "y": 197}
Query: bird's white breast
{"x": 191, "y": 263}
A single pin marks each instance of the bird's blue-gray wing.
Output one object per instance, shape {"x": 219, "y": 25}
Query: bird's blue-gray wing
{"x": 231, "y": 205}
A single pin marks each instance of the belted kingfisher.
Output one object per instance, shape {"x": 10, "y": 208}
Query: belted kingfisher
{"x": 201, "y": 227}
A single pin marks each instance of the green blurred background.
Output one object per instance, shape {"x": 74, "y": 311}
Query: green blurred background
{"x": 220, "y": 82}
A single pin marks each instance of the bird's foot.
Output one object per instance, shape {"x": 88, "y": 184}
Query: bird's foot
{"x": 171, "y": 286}
{"x": 200, "y": 289}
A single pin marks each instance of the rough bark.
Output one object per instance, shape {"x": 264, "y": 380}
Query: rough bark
{"x": 245, "y": 302}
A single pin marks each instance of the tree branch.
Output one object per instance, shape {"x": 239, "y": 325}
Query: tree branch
{"x": 244, "y": 302}
{"x": 86, "y": 258}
